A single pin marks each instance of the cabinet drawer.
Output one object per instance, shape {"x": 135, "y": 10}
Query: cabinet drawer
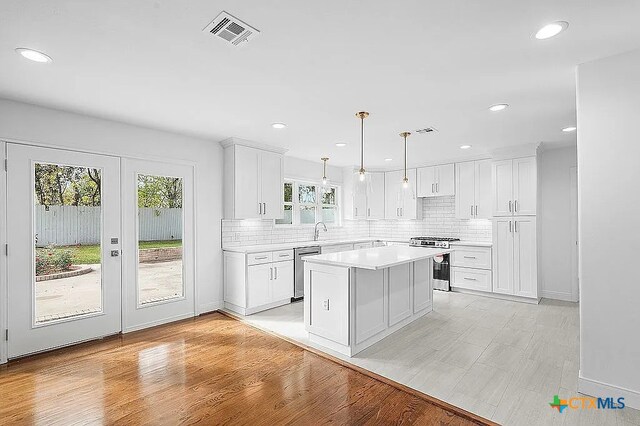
{"x": 258, "y": 258}
{"x": 282, "y": 255}
{"x": 472, "y": 279}
{"x": 472, "y": 257}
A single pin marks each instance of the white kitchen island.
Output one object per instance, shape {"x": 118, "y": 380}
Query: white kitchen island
{"x": 354, "y": 299}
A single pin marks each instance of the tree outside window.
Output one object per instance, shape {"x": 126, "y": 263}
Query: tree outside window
{"x": 307, "y": 203}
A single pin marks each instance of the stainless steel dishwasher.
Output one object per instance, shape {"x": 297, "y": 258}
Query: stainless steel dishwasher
{"x": 298, "y": 269}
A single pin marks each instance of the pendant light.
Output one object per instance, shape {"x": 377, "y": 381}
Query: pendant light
{"x": 362, "y": 115}
{"x": 324, "y": 170}
{"x": 405, "y": 181}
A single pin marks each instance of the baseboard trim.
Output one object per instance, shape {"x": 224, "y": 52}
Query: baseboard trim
{"x": 496, "y": 295}
{"x": 596, "y": 388}
{"x": 205, "y": 308}
{"x": 558, "y": 295}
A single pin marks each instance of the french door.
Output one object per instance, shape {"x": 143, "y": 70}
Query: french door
{"x": 63, "y": 235}
{"x": 158, "y": 243}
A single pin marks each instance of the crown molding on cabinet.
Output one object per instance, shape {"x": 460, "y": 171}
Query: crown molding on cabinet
{"x": 251, "y": 144}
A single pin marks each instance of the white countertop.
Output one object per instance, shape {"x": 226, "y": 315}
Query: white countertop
{"x": 376, "y": 258}
{"x": 289, "y": 246}
{"x": 472, "y": 243}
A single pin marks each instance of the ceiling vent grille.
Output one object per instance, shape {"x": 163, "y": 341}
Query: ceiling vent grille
{"x": 427, "y": 130}
{"x": 231, "y": 29}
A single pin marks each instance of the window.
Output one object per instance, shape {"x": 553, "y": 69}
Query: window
{"x": 306, "y": 203}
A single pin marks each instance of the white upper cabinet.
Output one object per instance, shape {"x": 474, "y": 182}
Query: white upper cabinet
{"x": 436, "y": 181}
{"x": 375, "y": 196}
{"x": 364, "y": 199}
{"x": 514, "y": 187}
{"x": 400, "y": 202}
{"x": 253, "y": 182}
{"x": 473, "y": 190}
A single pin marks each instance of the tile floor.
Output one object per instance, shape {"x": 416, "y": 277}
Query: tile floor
{"x": 502, "y": 360}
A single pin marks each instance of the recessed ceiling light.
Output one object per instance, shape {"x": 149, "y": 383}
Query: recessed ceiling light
{"x": 498, "y": 107}
{"x": 551, "y": 30}
{"x": 341, "y": 144}
{"x": 34, "y": 55}
{"x": 569, "y": 129}
{"x": 278, "y": 125}
{"x": 388, "y": 159}
{"x": 465, "y": 146}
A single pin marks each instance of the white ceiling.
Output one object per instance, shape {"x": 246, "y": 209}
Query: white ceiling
{"x": 411, "y": 64}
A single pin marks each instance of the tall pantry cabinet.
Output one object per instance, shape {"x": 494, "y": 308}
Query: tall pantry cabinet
{"x": 514, "y": 205}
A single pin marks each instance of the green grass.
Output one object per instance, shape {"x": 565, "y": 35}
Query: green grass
{"x": 83, "y": 255}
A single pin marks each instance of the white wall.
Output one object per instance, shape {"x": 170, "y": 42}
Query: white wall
{"x": 609, "y": 230}
{"x": 29, "y": 123}
{"x": 310, "y": 170}
{"x": 554, "y": 222}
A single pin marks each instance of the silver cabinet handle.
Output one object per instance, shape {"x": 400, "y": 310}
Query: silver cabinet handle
{"x": 476, "y": 210}
{"x": 276, "y": 269}
{"x": 283, "y": 255}
{"x": 260, "y": 208}
{"x": 471, "y": 210}
{"x": 432, "y": 186}
{"x": 397, "y": 211}
{"x": 437, "y": 185}
{"x": 368, "y": 212}
{"x": 261, "y": 258}
{"x": 470, "y": 279}
{"x": 469, "y": 257}
{"x": 402, "y": 211}
{"x": 265, "y": 208}
{"x": 515, "y": 225}
{"x": 510, "y": 226}
{"x": 515, "y": 205}
{"x": 270, "y": 273}
{"x": 509, "y": 205}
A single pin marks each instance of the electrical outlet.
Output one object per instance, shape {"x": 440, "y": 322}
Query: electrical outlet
{"x": 325, "y": 304}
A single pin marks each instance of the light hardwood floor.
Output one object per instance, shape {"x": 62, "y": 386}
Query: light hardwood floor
{"x": 211, "y": 370}
{"x": 499, "y": 359}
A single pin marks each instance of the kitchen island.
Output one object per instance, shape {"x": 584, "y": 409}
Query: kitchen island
{"x": 356, "y": 298}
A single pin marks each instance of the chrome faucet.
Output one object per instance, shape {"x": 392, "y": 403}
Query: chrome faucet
{"x": 316, "y": 231}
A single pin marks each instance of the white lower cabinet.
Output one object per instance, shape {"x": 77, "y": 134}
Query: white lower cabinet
{"x": 255, "y": 282}
{"x": 471, "y": 268}
{"x": 515, "y": 259}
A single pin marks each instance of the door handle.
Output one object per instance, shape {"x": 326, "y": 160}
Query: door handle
{"x": 356, "y": 211}
{"x": 469, "y": 257}
{"x": 515, "y": 225}
{"x": 476, "y": 210}
{"x": 265, "y": 208}
{"x": 470, "y": 279}
{"x": 368, "y": 212}
{"x": 402, "y": 211}
{"x": 270, "y": 273}
{"x": 510, "y": 227}
{"x": 515, "y": 205}
{"x": 276, "y": 269}
{"x": 471, "y": 210}
{"x": 509, "y": 206}
{"x": 437, "y": 186}
{"x": 261, "y": 258}
{"x": 260, "y": 208}
{"x": 432, "y": 186}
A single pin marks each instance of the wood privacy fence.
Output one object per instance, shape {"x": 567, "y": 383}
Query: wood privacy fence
{"x": 71, "y": 225}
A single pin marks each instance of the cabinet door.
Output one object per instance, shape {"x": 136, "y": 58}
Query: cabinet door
{"x": 502, "y": 184}
{"x": 271, "y": 184}
{"x": 375, "y": 196}
{"x": 409, "y": 204}
{"x": 259, "y": 285}
{"x": 524, "y": 257}
{"x": 426, "y": 185}
{"x": 524, "y": 186}
{"x": 465, "y": 190}
{"x": 445, "y": 184}
{"x": 360, "y": 198}
{"x": 393, "y": 193}
{"x": 282, "y": 283}
{"x": 246, "y": 185}
{"x": 483, "y": 189}
{"x": 503, "y": 255}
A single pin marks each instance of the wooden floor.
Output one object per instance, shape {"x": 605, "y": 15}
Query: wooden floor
{"x": 210, "y": 370}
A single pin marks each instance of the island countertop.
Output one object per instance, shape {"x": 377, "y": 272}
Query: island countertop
{"x": 376, "y": 258}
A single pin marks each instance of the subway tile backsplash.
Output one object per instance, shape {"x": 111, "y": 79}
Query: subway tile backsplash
{"x": 438, "y": 219}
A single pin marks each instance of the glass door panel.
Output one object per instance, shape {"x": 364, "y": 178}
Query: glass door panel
{"x": 160, "y": 266}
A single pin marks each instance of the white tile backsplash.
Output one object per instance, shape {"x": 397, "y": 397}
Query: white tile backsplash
{"x": 438, "y": 219}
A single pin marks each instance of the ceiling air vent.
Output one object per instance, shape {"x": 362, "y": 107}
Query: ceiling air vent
{"x": 427, "y": 130}
{"x": 231, "y": 29}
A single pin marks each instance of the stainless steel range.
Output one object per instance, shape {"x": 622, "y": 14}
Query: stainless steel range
{"x": 441, "y": 270}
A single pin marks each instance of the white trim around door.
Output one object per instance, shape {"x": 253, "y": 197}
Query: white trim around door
{"x": 3, "y": 255}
